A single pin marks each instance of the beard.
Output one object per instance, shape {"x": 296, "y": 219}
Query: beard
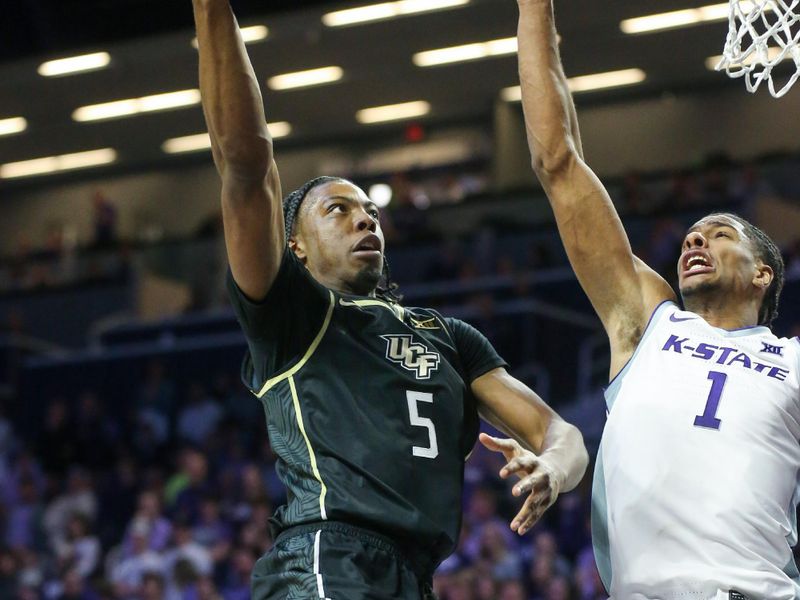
{"x": 367, "y": 279}
{"x": 698, "y": 292}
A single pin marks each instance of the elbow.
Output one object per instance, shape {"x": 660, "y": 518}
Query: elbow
{"x": 551, "y": 164}
{"x": 247, "y": 158}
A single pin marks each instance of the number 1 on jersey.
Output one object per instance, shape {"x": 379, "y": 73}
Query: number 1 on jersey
{"x": 432, "y": 451}
{"x": 709, "y": 417}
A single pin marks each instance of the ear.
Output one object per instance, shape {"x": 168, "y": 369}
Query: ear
{"x": 763, "y": 276}
{"x": 296, "y": 245}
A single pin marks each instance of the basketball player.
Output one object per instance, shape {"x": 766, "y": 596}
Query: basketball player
{"x": 371, "y": 407}
{"x": 696, "y": 483}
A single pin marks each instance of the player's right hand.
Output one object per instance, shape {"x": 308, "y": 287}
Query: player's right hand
{"x": 537, "y": 477}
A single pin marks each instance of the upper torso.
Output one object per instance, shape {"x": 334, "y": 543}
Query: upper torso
{"x": 371, "y": 415}
{"x": 696, "y": 485}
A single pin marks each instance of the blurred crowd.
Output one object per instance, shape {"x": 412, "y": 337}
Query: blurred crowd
{"x": 170, "y": 499}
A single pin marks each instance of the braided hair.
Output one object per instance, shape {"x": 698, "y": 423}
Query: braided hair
{"x": 767, "y": 252}
{"x": 386, "y": 289}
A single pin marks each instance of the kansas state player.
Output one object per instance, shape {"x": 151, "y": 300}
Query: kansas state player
{"x": 696, "y": 485}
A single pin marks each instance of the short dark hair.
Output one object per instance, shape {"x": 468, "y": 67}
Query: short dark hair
{"x": 767, "y": 252}
{"x": 386, "y": 289}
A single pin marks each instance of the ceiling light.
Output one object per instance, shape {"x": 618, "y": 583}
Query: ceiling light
{"x": 586, "y": 83}
{"x": 393, "y": 112}
{"x": 202, "y": 141}
{"x": 380, "y": 194}
{"x": 250, "y": 35}
{"x": 754, "y": 57}
{"x": 511, "y": 94}
{"x": 13, "y": 125}
{"x": 54, "y": 164}
{"x": 135, "y": 106}
{"x": 466, "y": 52}
{"x": 679, "y": 18}
{"x": 74, "y": 64}
{"x": 598, "y": 81}
{"x": 299, "y": 79}
{"x": 386, "y": 10}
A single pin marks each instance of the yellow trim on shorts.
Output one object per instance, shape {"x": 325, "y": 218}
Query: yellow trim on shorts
{"x": 301, "y": 363}
{"x": 312, "y": 457}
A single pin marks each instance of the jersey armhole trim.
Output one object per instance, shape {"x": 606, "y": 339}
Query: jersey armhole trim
{"x": 311, "y": 349}
{"x": 612, "y": 389}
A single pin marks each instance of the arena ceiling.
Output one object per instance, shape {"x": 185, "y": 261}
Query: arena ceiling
{"x": 149, "y": 43}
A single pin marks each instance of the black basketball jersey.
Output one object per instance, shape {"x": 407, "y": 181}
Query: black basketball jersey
{"x": 368, "y": 406}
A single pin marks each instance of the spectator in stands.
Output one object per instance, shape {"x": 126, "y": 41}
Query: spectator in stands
{"x": 504, "y": 560}
{"x": 149, "y": 511}
{"x": 634, "y": 198}
{"x": 157, "y": 389}
{"x": 211, "y": 531}
{"x": 512, "y": 589}
{"x": 186, "y": 489}
{"x": 237, "y": 580}
{"x": 24, "y": 528}
{"x": 153, "y": 586}
{"x": 792, "y": 260}
{"x": 95, "y": 432}
{"x": 80, "y": 551}
{"x": 56, "y": 447}
{"x": 78, "y": 498}
{"x": 199, "y": 417}
{"x": 128, "y": 574}
{"x": 9, "y": 567}
{"x": 184, "y": 548}
{"x": 105, "y": 221}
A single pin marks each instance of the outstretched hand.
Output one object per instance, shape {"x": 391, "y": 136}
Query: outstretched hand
{"x": 537, "y": 478}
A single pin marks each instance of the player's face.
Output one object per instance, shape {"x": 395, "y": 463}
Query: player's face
{"x": 339, "y": 238}
{"x": 717, "y": 257}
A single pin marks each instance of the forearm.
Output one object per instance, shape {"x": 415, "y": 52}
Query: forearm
{"x": 550, "y": 118}
{"x": 563, "y": 449}
{"x": 232, "y": 101}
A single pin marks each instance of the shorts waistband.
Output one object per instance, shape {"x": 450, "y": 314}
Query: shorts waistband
{"x": 424, "y": 572}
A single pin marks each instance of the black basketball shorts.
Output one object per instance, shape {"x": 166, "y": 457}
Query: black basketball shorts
{"x": 336, "y": 561}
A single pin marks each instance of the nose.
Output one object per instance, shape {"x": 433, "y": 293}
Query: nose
{"x": 365, "y": 221}
{"x": 695, "y": 240}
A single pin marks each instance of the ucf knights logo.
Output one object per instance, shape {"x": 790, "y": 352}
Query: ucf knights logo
{"x": 411, "y": 355}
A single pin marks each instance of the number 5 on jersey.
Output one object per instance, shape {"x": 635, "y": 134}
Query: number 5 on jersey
{"x": 414, "y": 398}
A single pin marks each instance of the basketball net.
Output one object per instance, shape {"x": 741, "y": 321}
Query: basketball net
{"x": 762, "y": 34}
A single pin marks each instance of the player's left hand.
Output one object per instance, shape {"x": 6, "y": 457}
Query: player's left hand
{"x": 537, "y": 478}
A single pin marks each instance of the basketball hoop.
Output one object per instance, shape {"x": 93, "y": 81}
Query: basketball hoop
{"x": 762, "y": 34}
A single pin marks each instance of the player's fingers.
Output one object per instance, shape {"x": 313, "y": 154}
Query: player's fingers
{"x": 497, "y": 444}
{"x": 534, "y": 483}
{"x": 538, "y": 507}
{"x": 524, "y": 513}
{"x": 521, "y": 465}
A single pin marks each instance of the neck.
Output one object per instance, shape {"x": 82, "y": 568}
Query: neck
{"x": 344, "y": 287}
{"x": 724, "y": 314}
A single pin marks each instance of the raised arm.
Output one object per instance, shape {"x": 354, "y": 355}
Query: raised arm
{"x": 242, "y": 147}
{"x": 546, "y": 452}
{"x": 622, "y": 289}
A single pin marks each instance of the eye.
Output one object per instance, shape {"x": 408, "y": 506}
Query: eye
{"x": 374, "y": 213}
{"x": 336, "y": 207}
{"x": 722, "y": 234}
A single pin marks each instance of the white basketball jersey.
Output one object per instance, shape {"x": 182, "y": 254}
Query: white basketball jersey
{"x": 696, "y": 483}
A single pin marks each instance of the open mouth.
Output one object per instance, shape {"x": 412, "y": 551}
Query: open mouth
{"x": 696, "y": 263}
{"x": 370, "y": 244}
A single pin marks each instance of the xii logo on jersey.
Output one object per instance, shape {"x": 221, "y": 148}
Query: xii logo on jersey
{"x": 411, "y": 355}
